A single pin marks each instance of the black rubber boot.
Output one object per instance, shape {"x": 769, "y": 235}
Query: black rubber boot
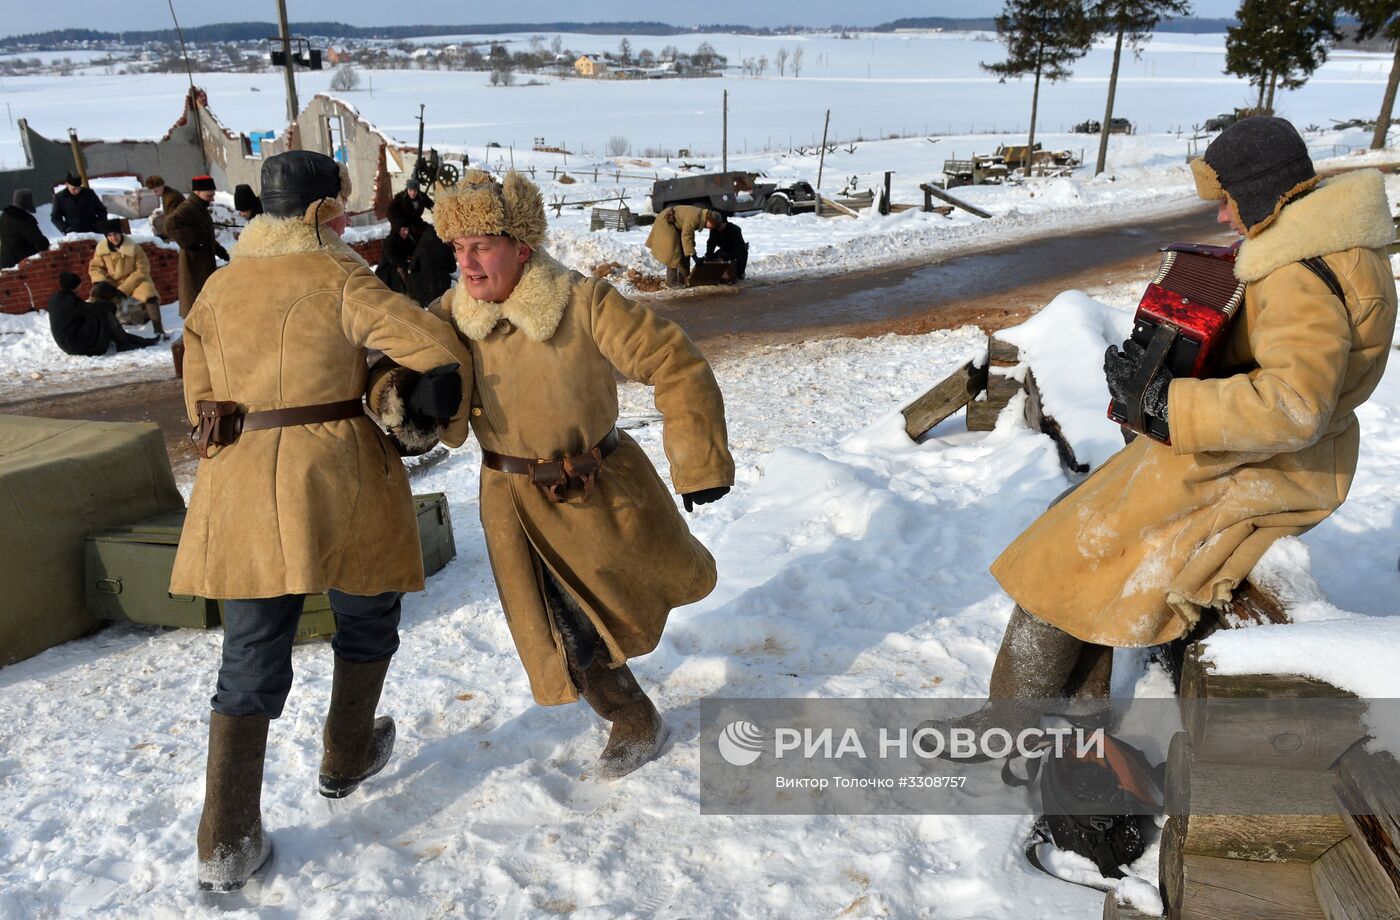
{"x": 357, "y": 745}
{"x": 231, "y": 842}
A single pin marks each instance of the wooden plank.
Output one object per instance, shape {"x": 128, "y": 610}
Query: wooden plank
{"x": 1252, "y": 605}
{"x": 1040, "y": 420}
{"x": 1348, "y": 888}
{"x": 937, "y": 192}
{"x": 1001, "y": 353}
{"x": 1368, "y": 786}
{"x": 823, "y": 201}
{"x": 951, "y": 394}
{"x": 1231, "y": 889}
{"x": 982, "y": 415}
{"x": 1223, "y": 810}
{"x": 1001, "y": 387}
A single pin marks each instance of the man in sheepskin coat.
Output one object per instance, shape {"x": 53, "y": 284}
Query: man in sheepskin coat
{"x": 1265, "y": 449}
{"x": 672, "y": 239}
{"x": 121, "y": 262}
{"x": 310, "y": 497}
{"x": 589, "y": 551}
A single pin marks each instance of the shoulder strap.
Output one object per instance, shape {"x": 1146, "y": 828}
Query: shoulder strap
{"x": 1324, "y": 272}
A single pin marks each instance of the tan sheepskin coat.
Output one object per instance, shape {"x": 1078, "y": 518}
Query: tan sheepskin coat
{"x": 301, "y": 509}
{"x": 544, "y": 365}
{"x": 126, "y": 268}
{"x": 1267, "y": 449}
{"x": 673, "y": 233}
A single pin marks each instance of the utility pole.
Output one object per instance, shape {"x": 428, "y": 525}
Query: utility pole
{"x": 724, "y": 143}
{"x": 290, "y": 67}
{"x": 821, "y": 160}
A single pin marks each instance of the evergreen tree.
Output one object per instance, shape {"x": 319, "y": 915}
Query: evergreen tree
{"x": 1131, "y": 21}
{"x": 1042, "y": 37}
{"x": 1381, "y": 17}
{"x": 1279, "y": 43}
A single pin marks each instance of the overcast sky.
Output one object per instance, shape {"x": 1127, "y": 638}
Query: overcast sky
{"x": 23, "y": 16}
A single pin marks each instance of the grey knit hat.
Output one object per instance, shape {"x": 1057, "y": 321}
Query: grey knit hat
{"x": 23, "y": 198}
{"x": 1259, "y": 164}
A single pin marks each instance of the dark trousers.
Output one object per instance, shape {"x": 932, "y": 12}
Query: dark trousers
{"x": 739, "y": 256}
{"x": 255, "y": 675}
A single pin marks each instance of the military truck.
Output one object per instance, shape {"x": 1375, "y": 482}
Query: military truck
{"x": 983, "y": 169}
{"x": 733, "y": 192}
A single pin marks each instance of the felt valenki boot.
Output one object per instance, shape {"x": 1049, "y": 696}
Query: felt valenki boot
{"x": 638, "y": 730}
{"x": 231, "y": 842}
{"x": 357, "y": 745}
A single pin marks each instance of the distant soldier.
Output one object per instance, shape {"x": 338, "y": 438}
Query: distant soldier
{"x": 20, "y": 236}
{"x": 672, "y": 239}
{"x": 406, "y": 210}
{"x": 122, "y": 263}
{"x": 192, "y": 227}
{"x": 394, "y": 257}
{"x": 76, "y": 208}
{"x": 430, "y": 272}
{"x": 170, "y": 199}
{"x": 246, "y": 203}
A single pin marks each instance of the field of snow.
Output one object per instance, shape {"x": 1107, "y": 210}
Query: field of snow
{"x": 853, "y": 564}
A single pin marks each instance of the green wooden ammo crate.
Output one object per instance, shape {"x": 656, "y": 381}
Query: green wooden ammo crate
{"x": 128, "y": 572}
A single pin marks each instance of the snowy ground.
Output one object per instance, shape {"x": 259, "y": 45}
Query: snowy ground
{"x": 853, "y": 564}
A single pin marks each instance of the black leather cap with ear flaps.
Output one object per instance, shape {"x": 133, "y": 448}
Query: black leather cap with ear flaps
{"x": 292, "y": 180}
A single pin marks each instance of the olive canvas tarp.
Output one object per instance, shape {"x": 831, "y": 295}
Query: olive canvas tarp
{"x": 60, "y": 481}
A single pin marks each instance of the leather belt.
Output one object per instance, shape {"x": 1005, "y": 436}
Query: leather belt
{"x": 553, "y": 477}
{"x": 303, "y": 415}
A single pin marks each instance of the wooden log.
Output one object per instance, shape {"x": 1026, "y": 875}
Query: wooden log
{"x": 1368, "y": 786}
{"x": 951, "y": 394}
{"x": 1252, "y": 605}
{"x": 1276, "y": 720}
{"x": 1226, "y": 810}
{"x": 937, "y": 192}
{"x": 1040, "y": 420}
{"x": 1349, "y": 889}
{"x": 982, "y": 415}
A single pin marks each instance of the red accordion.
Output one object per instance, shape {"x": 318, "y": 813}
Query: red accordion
{"x": 1182, "y": 323}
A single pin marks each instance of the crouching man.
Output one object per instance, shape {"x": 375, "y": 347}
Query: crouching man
{"x": 1265, "y": 449}
{"x": 298, "y": 492}
{"x": 672, "y": 239}
{"x": 589, "y": 551}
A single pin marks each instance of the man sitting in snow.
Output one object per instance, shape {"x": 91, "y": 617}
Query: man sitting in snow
{"x": 1264, "y": 450}
{"x": 122, "y": 263}
{"x": 82, "y": 328}
{"x": 589, "y": 551}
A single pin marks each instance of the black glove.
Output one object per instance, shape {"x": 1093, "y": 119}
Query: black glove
{"x": 220, "y": 252}
{"x": 704, "y": 497}
{"x": 1120, "y": 367}
{"x": 437, "y": 394}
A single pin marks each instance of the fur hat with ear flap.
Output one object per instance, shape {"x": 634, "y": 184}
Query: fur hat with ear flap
{"x": 486, "y": 207}
{"x": 1259, "y": 165}
{"x": 304, "y": 184}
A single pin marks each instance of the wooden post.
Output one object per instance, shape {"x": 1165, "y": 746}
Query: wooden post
{"x": 821, "y": 160}
{"x": 288, "y": 66}
{"x": 937, "y": 192}
{"x": 954, "y": 392}
{"x": 885, "y": 204}
{"x": 724, "y": 137}
{"x": 78, "y": 162}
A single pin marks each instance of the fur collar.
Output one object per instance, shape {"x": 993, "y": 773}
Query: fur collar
{"x": 266, "y": 236}
{"x": 1344, "y": 212}
{"x": 534, "y": 307}
{"x": 128, "y": 246}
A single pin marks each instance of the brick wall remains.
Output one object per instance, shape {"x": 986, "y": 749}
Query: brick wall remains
{"x": 29, "y": 285}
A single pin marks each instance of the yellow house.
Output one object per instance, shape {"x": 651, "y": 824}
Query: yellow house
{"x": 587, "y": 67}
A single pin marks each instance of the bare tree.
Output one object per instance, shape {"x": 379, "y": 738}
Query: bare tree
{"x": 556, "y": 45}
{"x": 618, "y": 146}
{"x": 762, "y": 64}
{"x": 797, "y": 61}
{"x": 780, "y": 59}
{"x": 646, "y": 57}
{"x": 344, "y": 79}
{"x": 624, "y": 51}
